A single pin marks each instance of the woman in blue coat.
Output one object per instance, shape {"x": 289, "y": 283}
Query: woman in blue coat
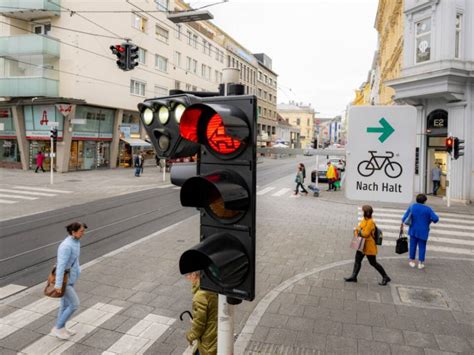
{"x": 419, "y": 217}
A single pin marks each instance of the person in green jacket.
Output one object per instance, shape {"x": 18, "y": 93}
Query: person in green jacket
{"x": 204, "y": 322}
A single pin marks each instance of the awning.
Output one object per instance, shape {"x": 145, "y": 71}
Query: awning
{"x": 135, "y": 142}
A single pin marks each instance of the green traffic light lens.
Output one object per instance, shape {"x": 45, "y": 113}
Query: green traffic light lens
{"x": 147, "y": 116}
{"x": 163, "y": 115}
{"x": 178, "y": 112}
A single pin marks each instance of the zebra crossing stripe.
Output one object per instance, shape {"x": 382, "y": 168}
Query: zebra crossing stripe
{"x": 282, "y": 192}
{"x": 444, "y": 214}
{"x": 42, "y": 189}
{"x": 164, "y": 186}
{"x": 28, "y": 314}
{"x": 437, "y": 239}
{"x": 83, "y": 324}
{"x": 440, "y": 249}
{"x": 433, "y": 231}
{"x": 26, "y": 192}
{"x": 141, "y": 336}
{"x": 10, "y": 289}
{"x": 18, "y": 197}
{"x": 433, "y": 227}
{"x": 7, "y": 202}
{"x": 265, "y": 190}
{"x": 399, "y": 216}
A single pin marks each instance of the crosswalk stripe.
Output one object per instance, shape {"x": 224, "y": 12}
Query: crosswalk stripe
{"x": 18, "y": 197}
{"x": 164, "y": 186}
{"x": 444, "y": 214}
{"x": 281, "y": 192}
{"x": 265, "y": 190}
{"x": 28, "y": 314}
{"x": 44, "y": 189}
{"x": 432, "y": 231}
{"x": 7, "y": 202}
{"x": 437, "y": 239}
{"x": 83, "y": 324}
{"x": 440, "y": 249}
{"x": 26, "y": 192}
{"x": 141, "y": 336}
{"x": 399, "y": 216}
{"x": 433, "y": 226}
{"x": 10, "y": 289}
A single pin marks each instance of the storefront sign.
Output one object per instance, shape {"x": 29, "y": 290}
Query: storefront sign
{"x": 41, "y": 134}
{"x": 38, "y": 117}
{"x": 79, "y": 121}
{"x": 64, "y": 109}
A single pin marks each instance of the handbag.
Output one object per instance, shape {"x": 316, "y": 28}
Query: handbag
{"x": 358, "y": 242}
{"x": 49, "y": 290}
{"x": 402, "y": 243}
{"x": 378, "y": 236}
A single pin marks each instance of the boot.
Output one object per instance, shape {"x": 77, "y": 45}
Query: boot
{"x": 355, "y": 272}
{"x": 385, "y": 281}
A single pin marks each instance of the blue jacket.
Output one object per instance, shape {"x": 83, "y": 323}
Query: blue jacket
{"x": 421, "y": 218}
{"x": 68, "y": 258}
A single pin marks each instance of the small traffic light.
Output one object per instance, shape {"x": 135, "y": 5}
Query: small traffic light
{"x": 54, "y": 134}
{"x": 458, "y": 149}
{"x": 449, "y": 143}
{"x": 121, "y": 52}
{"x": 132, "y": 55}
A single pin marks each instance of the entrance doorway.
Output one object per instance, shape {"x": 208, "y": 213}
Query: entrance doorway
{"x": 437, "y": 157}
{"x": 436, "y": 154}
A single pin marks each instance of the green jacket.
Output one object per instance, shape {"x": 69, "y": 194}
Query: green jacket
{"x": 204, "y": 328}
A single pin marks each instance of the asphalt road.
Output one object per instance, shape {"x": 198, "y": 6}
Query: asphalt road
{"x": 29, "y": 244}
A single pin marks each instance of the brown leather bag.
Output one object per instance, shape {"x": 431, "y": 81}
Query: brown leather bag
{"x": 49, "y": 290}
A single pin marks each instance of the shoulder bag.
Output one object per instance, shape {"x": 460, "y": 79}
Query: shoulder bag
{"x": 358, "y": 242}
{"x": 49, "y": 290}
{"x": 402, "y": 243}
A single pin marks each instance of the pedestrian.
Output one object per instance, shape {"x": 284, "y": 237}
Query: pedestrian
{"x": 366, "y": 229}
{"x": 136, "y": 164}
{"x": 304, "y": 172}
{"x": 68, "y": 260}
{"x": 436, "y": 178}
{"x": 421, "y": 217}
{"x": 331, "y": 175}
{"x": 39, "y": 161}
{"x": 142, "y": 160}
{"x": 204, "y": 318}
{"x": 299, "y": 179}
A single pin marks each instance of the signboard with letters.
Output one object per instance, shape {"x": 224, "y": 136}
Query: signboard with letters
{"x": 381, "y": 153}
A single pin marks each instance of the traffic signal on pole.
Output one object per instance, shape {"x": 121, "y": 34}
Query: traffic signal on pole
{"x": 449, "y": 143}
{"x": 54, "y": 134}
{"x": 132, "y": 54}
{"x": 225, "y": 192}
{"x": 121, "y": 52}
{"x": 458, "y": 149}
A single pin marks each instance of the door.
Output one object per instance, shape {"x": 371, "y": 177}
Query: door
{"x": 437, "y": 156}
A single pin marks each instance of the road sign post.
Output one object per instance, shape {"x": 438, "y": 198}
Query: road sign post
{"x": 381, "y": 153}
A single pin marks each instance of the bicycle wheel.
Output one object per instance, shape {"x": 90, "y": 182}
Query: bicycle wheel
{"x": 393, "y": 170}
{"x": 366, "y": 168}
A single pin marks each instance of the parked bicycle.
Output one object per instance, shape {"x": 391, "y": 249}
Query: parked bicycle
{"x": 391, "y": 168}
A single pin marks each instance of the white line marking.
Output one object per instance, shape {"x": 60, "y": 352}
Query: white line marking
{"x": 265, "y": 190}
{"x": 44, "y": 189}
{"x": 433, "y": 227}
{"x": 26, "y": 192}
{"x": 436, "y": 239}
{"x": 432, "y": 231}
{"x": 10, "y": 289}
{"x": 446, "y": 214}
{"x": 441, "y": 249}
{"x": 282, "y": 192}
{"x": 7, "y": 202}
{"x": 18, "y": 197}
{"x": 164, "y": 186}
{"x": 399, "y": 216}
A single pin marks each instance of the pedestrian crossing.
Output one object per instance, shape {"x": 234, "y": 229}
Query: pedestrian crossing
{"x": 453, "y": 234}
{"x": 21, "y": 193}
{"x": 136, "y": 340}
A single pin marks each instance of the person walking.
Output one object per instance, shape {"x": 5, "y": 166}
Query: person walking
{"x": 299, "y": 179}
{"x": 204, "y": 314}
{"x": 331, "y": 176}
{"x": 436, "y": 178}
{"x": 142, "y": 161}
{"x": 421, "y": 216}
{"x": 366, "y": 229}
{"x": 68, "y": 260}
{"x": 136, "y": 164}
{"x": 39, "y": 161}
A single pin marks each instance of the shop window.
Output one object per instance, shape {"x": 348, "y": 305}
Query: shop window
{"x": 99, "y": 122}
{"x": 9, "y": 151}
{"x": 423, "y": 40}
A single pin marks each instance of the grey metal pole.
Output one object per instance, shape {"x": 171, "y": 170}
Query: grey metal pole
{"x": 51, "y": 180}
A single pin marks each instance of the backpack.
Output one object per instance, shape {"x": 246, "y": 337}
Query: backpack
{"x": 378, "y": 236}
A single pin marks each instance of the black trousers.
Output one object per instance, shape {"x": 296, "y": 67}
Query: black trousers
{"x": 39, "y": 167}
{"x": 302, "y": 188}
{"x": 372, "y": 260}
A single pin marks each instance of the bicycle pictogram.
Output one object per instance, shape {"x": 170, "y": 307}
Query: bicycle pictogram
{"x": 392, "y": 169}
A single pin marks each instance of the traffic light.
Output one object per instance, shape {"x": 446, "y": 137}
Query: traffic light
{"x": 132, "y": 54}
{"x": 54, "y": 134}
{"x": 449, "y": 143}
{"x": 225, "y": 192}
{"x": 121, "y": 52}
{"x": 458, "y": 149}
{"x": 161, "y": 117}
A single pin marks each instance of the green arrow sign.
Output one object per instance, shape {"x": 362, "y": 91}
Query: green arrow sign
{"x": 386, "y": 130}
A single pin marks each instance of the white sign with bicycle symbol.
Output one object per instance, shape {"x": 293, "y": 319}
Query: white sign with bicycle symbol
{"x": 381, "y": 153}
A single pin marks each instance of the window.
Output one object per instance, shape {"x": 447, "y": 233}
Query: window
{"x": 195, "y": 88}
{"x": 218, "y": 54}
{"x": 161, "y": 33}
{"x": 260, "y": 93}
{"x": 307, "y": 122}
{"x": 137, "y": 87}
{"x": 423, "y": 40}
{"x": 160, "y": 91}
{"x": 42, "y": 29}
{"x": 195, "y": 66}
{"x": 162, "y": 5}
{"x": 142, "y": 55}
{"x": 139, "y": 22}
{"x": 298, "y": 121}
{"x": 195, "y": 41}
{"x": 177, "y": 85}
{"x": 203, "y": 70}
{"x": 188, "y": 87}
{"x": 178, "y": 32}
{"x": 188, "y": 63}
{"x": 190, "y": 37}
{"x": 204, "y": 46}
{"x": 457, "y": 49}
{"x": 216, "y": 76}
{"x": 177, "y": 59}
{"x": 210, "y": 50}
{"x": 161, "y": 63}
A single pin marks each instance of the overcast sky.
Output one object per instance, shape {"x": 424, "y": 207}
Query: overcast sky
{"x": 322, "y": 50}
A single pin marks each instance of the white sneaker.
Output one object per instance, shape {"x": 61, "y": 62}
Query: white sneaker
{"x": 412, "y": 264}
{"x": 70, "y": 331}
{"x": 421, "y": 266}
{"x": 60, "y": 333}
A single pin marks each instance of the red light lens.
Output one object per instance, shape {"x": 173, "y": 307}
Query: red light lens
{"x": 188, "y": 124}
{"x": 217, "y": 139}
{"x": 120, "y": 48}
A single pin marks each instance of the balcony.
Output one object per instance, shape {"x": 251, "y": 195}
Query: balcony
{"x": 24, "y": 87}
{"x": 16, "y": 46}
{"x": 30, "y": 9}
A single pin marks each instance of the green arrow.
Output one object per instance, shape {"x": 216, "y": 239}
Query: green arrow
{"x": 386, "y": 130}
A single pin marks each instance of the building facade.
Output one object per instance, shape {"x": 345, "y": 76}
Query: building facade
{"x": 301, "y": 116}
{"x": 437, "y": 77}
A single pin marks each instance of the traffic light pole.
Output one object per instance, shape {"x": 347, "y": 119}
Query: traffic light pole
{"x": 52, "y": 161}
{"x": 448, "y": 178}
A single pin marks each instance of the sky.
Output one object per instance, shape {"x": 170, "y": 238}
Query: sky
{"x": 322, "y": 50}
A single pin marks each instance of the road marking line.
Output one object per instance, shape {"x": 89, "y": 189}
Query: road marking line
{"x": 436, "y": 239}
{"x": 399, "y": 216}
{"x": 26, "y": 192}
{"x": 7, "y": 202}
{"x": 445, "y": 214}
{"x": 432, "y": 231}
{"x": 141, "y": 336}
{"x": 265, "y": 190}
{"x": 164, "y": 186}
{"x": 82, "y": 324}
{"x": 281, "y": 192}
{"x": 44, "y": 189}
{"x": 10, "y": 289}
{"x": 441, "y": 249}
{"x": 18, "y": 197}
{"x": 434, "y": 227}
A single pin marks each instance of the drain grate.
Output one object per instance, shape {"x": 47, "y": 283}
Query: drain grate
{"x": 256, "y": 347}
{"x": 423, "y": 297}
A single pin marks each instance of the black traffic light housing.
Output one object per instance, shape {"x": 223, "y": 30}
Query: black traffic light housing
{"x": 449, "y": 143}
{"x": 132, "y": 56}
{"x": 458, "y": 149}
{"x": 127, "y": 55}
{"x": 225, "y": 192}
{"x": 54, "y": 134}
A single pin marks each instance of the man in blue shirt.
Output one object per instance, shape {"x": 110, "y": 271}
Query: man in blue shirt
{"x": 436, "y": 177}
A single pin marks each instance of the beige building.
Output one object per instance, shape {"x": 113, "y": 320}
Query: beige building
{"x": 301, "y": 116}
{"x": 56, "y": 66}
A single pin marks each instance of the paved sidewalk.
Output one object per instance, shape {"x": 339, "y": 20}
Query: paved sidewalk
{"x": 302, "y": 304}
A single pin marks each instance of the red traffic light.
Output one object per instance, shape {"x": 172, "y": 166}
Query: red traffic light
{"x": 449, "y": 143}
{"x": 120, "y": 48}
